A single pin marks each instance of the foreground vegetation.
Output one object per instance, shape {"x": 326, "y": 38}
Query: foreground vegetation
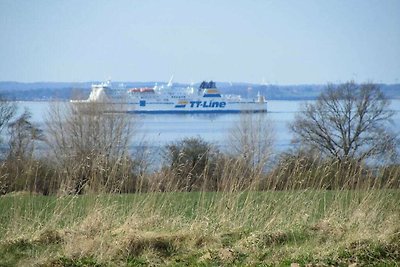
{"x": 202, "y": 228}
{"x": 334, "y": 200}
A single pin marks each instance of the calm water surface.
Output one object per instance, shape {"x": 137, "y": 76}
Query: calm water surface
{"x": 160, "y": 129}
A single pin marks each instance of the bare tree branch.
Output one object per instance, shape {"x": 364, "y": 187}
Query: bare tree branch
{"x": 348, "y": 121}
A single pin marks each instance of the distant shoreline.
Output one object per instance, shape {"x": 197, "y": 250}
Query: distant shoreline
{"x": 64, "y": 91}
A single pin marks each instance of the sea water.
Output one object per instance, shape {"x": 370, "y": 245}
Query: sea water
{"x": 157, "y": 130}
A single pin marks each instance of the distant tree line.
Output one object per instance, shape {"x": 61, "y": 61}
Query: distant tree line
{"x": 66, "y": 91}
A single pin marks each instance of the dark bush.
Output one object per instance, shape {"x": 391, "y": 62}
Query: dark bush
{"x": 192, "y": 164}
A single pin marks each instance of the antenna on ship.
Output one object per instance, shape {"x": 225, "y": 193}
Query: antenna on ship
{"x": 264, "y": 82}
{"x": 170, "y": 81}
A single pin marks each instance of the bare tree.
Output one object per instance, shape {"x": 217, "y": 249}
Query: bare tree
{"x": 7, "y": 112}
{"x": 22, "y": 170}
{"x": 347, "y": 122}
{"x": 23, "y": 136}
{"x": 253, "y": 139}
{"x": 90, "y": 141}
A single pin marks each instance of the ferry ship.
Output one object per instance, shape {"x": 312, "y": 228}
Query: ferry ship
{"x": 172, "y": 99}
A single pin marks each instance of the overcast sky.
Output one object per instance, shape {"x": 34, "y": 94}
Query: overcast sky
{"x": 278, "y": 41}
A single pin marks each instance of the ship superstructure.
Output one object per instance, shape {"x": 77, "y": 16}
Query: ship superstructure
{"x": 173, "y": 99}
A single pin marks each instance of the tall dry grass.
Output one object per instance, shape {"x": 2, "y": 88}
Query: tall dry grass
{"x": 238, "y": 224}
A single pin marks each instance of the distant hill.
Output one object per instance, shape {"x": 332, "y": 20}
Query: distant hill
{"x": 42, "y": 91}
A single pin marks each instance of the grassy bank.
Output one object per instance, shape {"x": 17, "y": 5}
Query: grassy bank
{"x": 202, "y": 228}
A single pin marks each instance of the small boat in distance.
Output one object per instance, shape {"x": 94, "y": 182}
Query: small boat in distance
{"x": 172, "y": 99}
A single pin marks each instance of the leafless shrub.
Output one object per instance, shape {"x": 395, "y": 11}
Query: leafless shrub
{"x": 22, "y": 169}
{"x": 23, "y": 137}
{"x": 8, "y": 111}
{"x": 251, "y": 146}
{"x": 89, "y": 142}
{"x": 253, "y": 138}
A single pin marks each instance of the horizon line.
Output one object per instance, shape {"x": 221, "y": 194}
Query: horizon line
{"x": 231, "y": 82}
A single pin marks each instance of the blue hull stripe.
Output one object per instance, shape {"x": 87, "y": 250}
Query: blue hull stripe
{"x": 177, "y": 111}
{"x": 211, "y": 95}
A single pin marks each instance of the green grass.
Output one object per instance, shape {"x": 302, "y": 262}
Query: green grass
{"x": 202, "y": 228}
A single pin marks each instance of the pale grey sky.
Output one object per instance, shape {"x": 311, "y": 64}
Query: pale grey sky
{"x": 285, "y": 42}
